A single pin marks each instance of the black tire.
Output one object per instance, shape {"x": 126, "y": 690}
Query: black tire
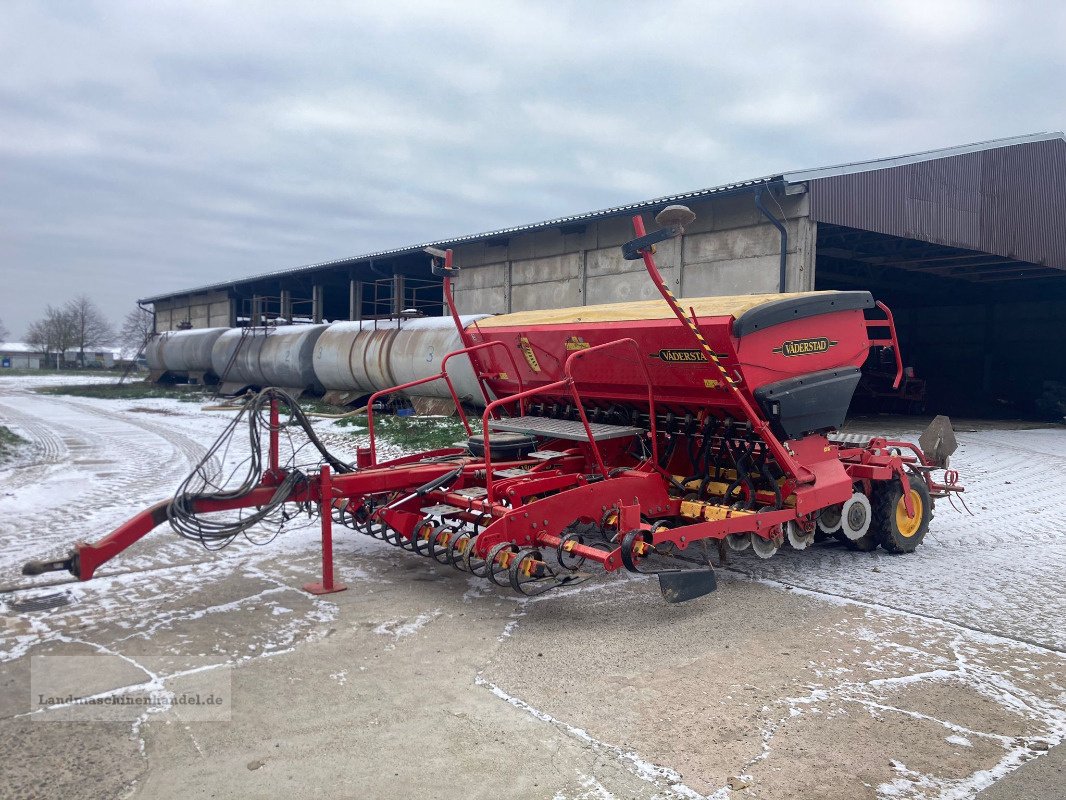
{"x": 504, "y": 446}
{"x": 890, "y": 523}
{"x": 865, "y": 543}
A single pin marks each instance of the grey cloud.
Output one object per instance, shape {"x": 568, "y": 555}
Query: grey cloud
{"x": 149, "y": 147}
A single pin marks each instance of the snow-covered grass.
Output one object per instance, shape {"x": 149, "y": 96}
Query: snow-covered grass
{"x": 10, "y": 442}
{"x": 131, "y": 390}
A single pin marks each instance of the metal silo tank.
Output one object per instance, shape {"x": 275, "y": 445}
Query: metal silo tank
{"x": 354, "y": 356}
{"x": 286, "y": 356}
{"x": 153, "y": 353}
{"x": 235, "y": 356}
{"x": 418, "y": 349}
{"x": 190, "y": 351}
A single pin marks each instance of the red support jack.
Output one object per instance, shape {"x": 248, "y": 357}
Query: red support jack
{"x": 325, "y": 507}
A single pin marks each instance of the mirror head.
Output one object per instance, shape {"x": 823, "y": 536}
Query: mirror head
{"x": 676, "y": 217}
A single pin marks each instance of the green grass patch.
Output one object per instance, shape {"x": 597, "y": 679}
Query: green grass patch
{"x": 413, "y": 433}
{"x": 46, "y": 372}
{"x": 10, "y": 442}
{"x": 136, "y": 390}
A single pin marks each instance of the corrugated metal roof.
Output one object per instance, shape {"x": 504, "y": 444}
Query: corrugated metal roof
{"x": 801, "y": 176}
{"x": 1006, "y": 201}
{"x": 798, "y": 176}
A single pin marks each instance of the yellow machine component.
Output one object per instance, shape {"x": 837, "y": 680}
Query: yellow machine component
{"x": 909, "y": 526}
{"x": 527, "y": 351}
{"x": 694, "y": 509}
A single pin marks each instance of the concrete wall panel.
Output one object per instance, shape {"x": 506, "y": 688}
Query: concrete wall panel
{"x": 546, "y": 270}
{"x": 749, "y": 276}
{"x": 631, "y": 286}
{"x": 557, "y": 294}
{"x": 482, "y": 277}
{"x": 491, "y": 300}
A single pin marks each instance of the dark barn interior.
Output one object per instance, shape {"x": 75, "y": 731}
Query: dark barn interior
{"x": 969, "y": 252}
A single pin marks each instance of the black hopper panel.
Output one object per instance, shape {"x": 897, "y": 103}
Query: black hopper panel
{"x": 801, "y": 307}
{"x": 815, "y": 402}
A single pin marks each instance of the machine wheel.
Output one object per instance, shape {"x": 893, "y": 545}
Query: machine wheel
{"x": 830, "y": 519}
{"x": 474, "y": 565}
{"x": 765, "y": 548}
{"x": 438, "y": 550}
{"x": 797, "y": 537}
{"x": 896, "y": 532}
{"x": 517, "y": 572}
{"x": 855, "y": 517}
{"x": 460, "y": 543}
{"x": 738, "y": 542}
{"x": 562, "y": 555}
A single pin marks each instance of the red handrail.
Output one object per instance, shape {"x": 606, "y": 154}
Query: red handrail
{"x": 400, "y": 388}
{"x": 485, "y": 423}
{"x": 443, "y": 374}
{"x": 892, "y": 341}
{"x": 568, "y": 369}
{"x": 480, "y": 378}
{"x": 570, "y": 384}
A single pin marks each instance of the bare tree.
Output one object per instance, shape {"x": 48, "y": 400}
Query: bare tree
{"x": 3, "y": 332}
{"x": 53, "y": 334}
{"x": 91, "y": 328}
{"x": 136, "y": 328}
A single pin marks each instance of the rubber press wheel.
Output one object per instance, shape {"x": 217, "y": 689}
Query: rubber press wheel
{"x": 897, "y": 532}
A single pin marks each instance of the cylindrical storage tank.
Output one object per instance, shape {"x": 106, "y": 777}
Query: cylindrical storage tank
{"x": 190, "y": 351}
{"x": 417, "y": 352}
{"x": 286, "y": 358}
{"x": 223, "y": 359}
{"x": 271, "y": 357}
{"x": 153, "y": 353}
{"x": 354, "y": 356}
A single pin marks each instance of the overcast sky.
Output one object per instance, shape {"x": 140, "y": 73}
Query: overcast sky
{"x": 155, "y": 146}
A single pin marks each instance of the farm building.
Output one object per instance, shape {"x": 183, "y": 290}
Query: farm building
{"x": 965, "y": 244}
{"x": 19, "y": 355}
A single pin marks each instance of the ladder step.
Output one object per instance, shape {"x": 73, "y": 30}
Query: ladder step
{"x": 473, "y": 492}
{"x": 544, "y": 455}
{"x": 568, "y": 429}
{"x": 853, "y": 439}
{"x": 441, "y": 510}
{"x": 513, "y": 472}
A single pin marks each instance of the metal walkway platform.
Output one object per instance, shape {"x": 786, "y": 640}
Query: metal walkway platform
{"x": 571, "y": 430}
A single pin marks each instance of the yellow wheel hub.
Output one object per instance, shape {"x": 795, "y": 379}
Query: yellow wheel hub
{"x": 908, "y": 526}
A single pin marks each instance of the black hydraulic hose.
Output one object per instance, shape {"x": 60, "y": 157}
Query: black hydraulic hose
{"x": 741, "y": 457}
{"x": 782, "y": 267}
{"x": 764, "y": 471}
{"x": 664, "y": 458}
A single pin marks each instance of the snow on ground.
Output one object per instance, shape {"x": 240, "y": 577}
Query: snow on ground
{"x": 991, "y": 580}
{"x": 999, "y": 571}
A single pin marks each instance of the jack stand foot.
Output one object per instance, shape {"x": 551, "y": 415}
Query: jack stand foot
{"x": 319, "y": 588}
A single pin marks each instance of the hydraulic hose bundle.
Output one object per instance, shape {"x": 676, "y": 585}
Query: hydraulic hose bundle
{"x": 208, "y": 480}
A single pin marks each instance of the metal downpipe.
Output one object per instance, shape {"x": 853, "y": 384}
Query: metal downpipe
{"x": 782, "y": 268}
